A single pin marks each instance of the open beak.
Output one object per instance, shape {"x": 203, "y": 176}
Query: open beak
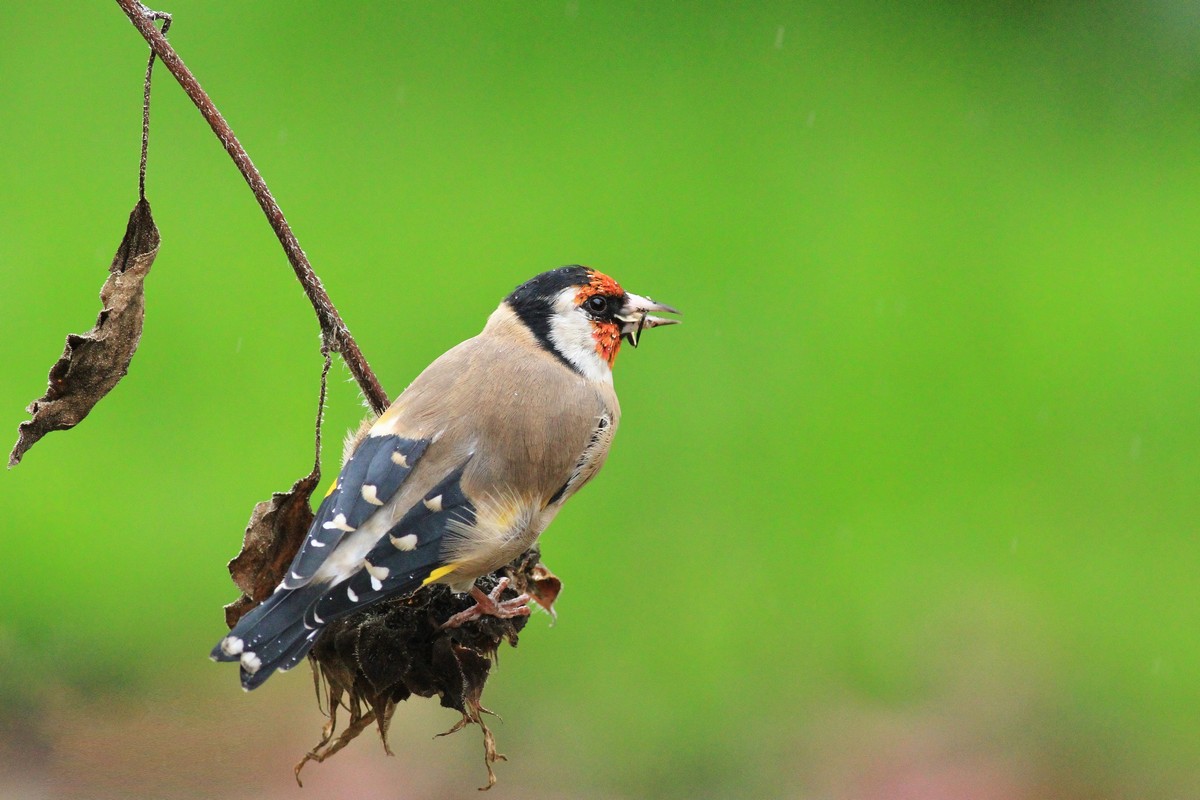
{"x": 635, "y": 316}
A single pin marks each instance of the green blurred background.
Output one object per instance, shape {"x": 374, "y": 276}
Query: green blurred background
{"x": 906, "y": 509}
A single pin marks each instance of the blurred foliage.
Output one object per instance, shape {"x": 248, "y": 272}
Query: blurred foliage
{"x": 910, "y": 498}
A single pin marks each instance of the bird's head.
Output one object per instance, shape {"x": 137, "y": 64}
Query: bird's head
{"x": 582, "y": 316}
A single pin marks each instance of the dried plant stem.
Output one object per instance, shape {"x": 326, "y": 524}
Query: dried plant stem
{"x": 321, "y": 410}
{"x": 166, "y": 25}
{"x": 336, "y": 335}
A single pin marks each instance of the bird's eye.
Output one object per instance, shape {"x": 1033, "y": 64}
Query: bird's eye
{"x": 597, "y": 304}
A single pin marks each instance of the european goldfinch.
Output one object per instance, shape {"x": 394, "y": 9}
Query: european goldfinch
{"x": 464, "y": 471}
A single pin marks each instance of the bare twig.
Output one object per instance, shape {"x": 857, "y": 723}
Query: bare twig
{"x": 166, "y": 18}
{"x": 334, "y": 331}
{"x": 321, "y": 409}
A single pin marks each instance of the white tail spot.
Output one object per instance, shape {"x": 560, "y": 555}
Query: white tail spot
{"x": 434, "y": 504}
{"x": 370, "y": 494}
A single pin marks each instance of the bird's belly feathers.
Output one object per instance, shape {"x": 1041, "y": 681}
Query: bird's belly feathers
{"x": 505, "y": 527}
{"x": 507, "y": 524}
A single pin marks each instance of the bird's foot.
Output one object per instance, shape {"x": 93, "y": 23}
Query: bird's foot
{"x": 490, "y": 605}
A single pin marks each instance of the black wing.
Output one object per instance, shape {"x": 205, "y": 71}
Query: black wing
{"x": 369, "y": 478}
{"x": 406, "y": 557}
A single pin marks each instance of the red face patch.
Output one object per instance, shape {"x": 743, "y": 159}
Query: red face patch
{"x": 608, "y": 340}
{"x": 600, "y": 284}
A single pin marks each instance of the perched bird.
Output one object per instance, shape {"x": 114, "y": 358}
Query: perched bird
{"x": 464, "y": 471}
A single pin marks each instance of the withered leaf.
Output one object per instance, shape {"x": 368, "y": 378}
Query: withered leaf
{"x": 275, "y": 532}
{"x": 542, "y": 585}
{"x": 92, "y": 363}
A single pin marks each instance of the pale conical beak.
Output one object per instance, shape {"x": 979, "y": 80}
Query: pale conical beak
{"x": 635, "y": 316}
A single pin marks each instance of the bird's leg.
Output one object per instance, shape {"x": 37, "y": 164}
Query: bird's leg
{"x": 490, "y": 605}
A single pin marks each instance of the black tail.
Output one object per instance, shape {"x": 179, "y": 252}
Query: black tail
{"x": 271, "y": 636}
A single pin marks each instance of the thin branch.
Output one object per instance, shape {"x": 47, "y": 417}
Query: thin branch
{"x": 321, "y": 409}
{"x": 166, "y": 18}
{"x": 334, "y": 331}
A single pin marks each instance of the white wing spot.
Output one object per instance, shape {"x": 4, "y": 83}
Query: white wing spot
{"x": 400, "y": 460}
{"x": 408, "y": 542}
{"x": 250, "y": 662}
{"x": 434, "y": 504}
{"x": 370, "y": 494}
{"x": 379, "y": 573}
{"x": 317, "y": 543}
{"x": 350, "y": 593}
{"x": 317, "y": 619}
{"x": 338, "y": 523}
{"x": 232, "y": 646}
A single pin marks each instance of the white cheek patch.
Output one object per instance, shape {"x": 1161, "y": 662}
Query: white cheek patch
{"x": 571, "y": 333}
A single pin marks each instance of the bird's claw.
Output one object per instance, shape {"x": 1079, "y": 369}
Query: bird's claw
{"x": 490, "y": 605}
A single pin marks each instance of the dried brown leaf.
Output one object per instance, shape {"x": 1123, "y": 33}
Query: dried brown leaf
{"x": 543, "y": 587}
{"x": 275, "y": 532}
{"x": 92, "y": 363}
